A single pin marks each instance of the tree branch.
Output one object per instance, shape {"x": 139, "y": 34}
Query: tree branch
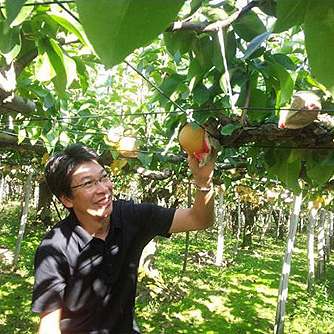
{"x": 317, "y": 135}
{"x": 24, "y": 61}
{"x": 18, "y": 105}
{"x": 8, "y": 142}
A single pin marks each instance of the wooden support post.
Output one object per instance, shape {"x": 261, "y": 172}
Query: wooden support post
{"x": 321, "y": 246}
{"x": 220, "y": 238}
{"x": 185, "y": 258}
{"x": 283, "y": 287}
{"x": 310, "y": 249}
{"x": 328, "y": 236}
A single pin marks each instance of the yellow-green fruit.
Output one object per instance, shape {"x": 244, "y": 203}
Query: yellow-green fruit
{"x": 192, "y": 140}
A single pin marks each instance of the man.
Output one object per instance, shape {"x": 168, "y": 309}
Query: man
{"x": 86, "y": 266}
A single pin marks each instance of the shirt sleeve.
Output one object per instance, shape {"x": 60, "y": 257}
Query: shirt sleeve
{"x": 49, "y": 282}
{"x": 155, "y": 220}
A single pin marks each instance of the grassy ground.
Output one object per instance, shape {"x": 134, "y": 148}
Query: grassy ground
{"x": 16, "y": 287}
{"x": 239, "y": 297}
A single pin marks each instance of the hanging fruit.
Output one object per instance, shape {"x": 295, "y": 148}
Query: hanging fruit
{"x": 303, "y": 111}
{"x": 127, "y": 147}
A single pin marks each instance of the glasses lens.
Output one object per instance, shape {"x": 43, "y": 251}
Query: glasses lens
{"x": 88, "y": 184}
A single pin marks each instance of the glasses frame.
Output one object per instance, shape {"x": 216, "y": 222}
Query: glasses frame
{"x": 104, "y": 179}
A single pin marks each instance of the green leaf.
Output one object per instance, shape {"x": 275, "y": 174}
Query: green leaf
{"x": 168, "y": 86}
{"x": 117, "y": 28}
{"x": 286, "y": 82}
{"x": 56, "y": 59}
{"x": 21, "y": 136}
{"x": 13, "y": 9}
{"x": 203, "y": 49}
{"x": 10, "y": 43}
{"x": 249, "y": 26}
{"x": 258, "y": 100}
{"x": 179, "y": 41}
{"x": 290, "y": 13}
{"x": 285, "y": 61}
{"x": 144, "y": 158}
{"x": 201, "y": 94}
{"x": 43, "y": 68}
{"x": 228, "y": 129}
{"x": 319, "y": 168}
{"x": 71, "y": 25}
{"x": 195, "y": 69}
{"x": 269, "y": 7}
{"x": 52, "y": 137}
{"x": 71, "y": 69}
{"x": 256, "y": 43}
{"x": 82, "y": 73}
{"x": 194, "y": 6}
{"x": 287, "y": 168}
{"x": 33, "y": 133}
{"x": 48, "y": 101}
{"x": 319, "y": 30}
{"x": 201, "y": 116}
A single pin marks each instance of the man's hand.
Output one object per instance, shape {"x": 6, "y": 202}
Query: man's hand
{"x": 202, "y": 175}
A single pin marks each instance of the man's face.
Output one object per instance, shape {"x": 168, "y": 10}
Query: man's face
{"x": 91, "y": 191}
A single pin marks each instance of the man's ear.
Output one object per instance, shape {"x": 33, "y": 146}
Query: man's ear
{"x": 66, "y": 201}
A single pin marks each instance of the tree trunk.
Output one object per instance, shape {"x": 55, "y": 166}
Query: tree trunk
{"x": 24, "y": 217}
{"x": 283, "y": 287}
{"x": 248, "y": 226}
{"x": 266, "y": 222}
{"x": 310, "y": 250}
{"x": 220, "y": 240}
{"x": 321, "y": 246}
{"x": 240, "y": 220}
{"x": 44, "y": 204}
{"x": 280, "y": 225}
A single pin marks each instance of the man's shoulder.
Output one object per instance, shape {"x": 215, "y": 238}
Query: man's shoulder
{"x": 127, "y": 208}
{"x": 59, "y": 233}
{"x": 122, "y": 204}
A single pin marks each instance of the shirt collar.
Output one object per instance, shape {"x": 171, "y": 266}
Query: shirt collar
{"x": 83, "y": 237}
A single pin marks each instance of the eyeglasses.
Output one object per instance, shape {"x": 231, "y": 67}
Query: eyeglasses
{"x": 93, "y": 183}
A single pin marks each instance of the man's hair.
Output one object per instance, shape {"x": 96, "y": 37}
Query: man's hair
{"x": 60, "y": 168}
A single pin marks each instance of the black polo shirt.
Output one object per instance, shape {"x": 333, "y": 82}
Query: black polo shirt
{"x": 94, "y": 281}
